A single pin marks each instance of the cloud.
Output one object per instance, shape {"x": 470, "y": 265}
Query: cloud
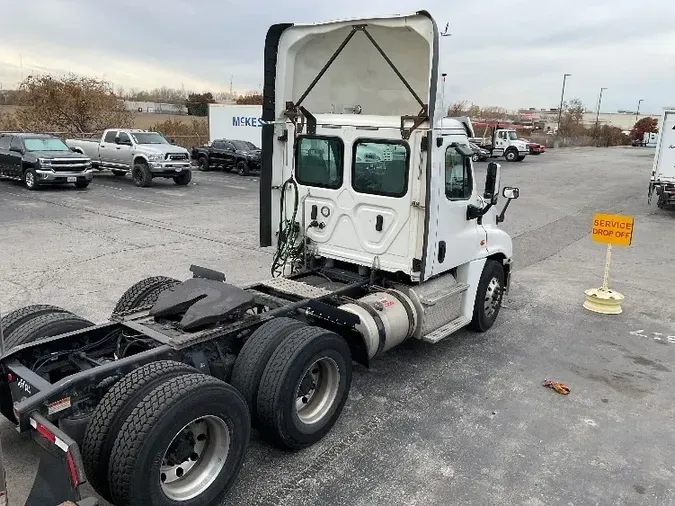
{"x": 502, "y": 52}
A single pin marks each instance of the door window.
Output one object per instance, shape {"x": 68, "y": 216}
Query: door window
{"x": 16, "y": 143}
{"x": 124, "y": 138}
{"x": 458, "y": 183}
{"x": 319, "y": 161}
{"x": 218, "y": 145}
{"x": 5, "y": 141}
{"x": 380, "y": 168}
{"x": 110, "y": 136}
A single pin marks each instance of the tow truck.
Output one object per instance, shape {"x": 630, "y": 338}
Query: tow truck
{"x": 502, "y": 140}
{"x": 155, "y": 406}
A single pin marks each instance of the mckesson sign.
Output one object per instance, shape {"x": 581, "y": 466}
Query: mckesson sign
{"x": 246, "y": 121}
{"x": 242, "y": 122}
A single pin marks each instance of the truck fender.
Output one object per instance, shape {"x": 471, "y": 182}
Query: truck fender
{"x": 139, "y": 158}
{"x": 78, "y": 149}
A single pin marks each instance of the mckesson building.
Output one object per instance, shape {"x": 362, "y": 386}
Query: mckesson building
{"x": 237, "y": 122}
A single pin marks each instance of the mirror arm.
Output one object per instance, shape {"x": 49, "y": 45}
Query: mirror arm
{"x": 500, "y": 217}
{"x": 473, "y": 212}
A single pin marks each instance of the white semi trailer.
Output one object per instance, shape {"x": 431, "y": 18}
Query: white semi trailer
{"x": 235, "y": 122}
{"x": 662, "y": 180}
{"x": 381, "y": 236}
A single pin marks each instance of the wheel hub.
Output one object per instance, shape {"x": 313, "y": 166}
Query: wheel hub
{"x": 194, "y": 458}
{"x": 317, "y": 390}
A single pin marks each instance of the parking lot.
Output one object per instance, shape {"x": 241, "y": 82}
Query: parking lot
{"x": 465, "y": 421}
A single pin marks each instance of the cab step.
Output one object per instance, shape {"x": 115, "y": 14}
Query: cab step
{"x": 446, "y": 330}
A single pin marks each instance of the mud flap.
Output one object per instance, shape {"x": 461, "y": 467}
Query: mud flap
{"x": 60, "y": 472}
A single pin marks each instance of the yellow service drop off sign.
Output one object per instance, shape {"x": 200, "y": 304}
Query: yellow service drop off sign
{"x": 615, "y": 229}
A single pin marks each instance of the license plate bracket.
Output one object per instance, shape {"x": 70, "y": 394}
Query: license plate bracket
{"x": 71, "y": 179}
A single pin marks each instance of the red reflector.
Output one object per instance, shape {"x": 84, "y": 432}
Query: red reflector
{"x": 44, "y": 432}
{"x": 10, "y": 377}
{"x": 72, "y": 470}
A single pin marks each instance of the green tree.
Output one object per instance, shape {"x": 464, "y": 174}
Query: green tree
{"x": 197, "y": 103}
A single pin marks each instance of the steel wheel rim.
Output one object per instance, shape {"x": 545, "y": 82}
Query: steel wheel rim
{"x": 317, "y": 390}
{"x": 30, "y": 179}
{"x": 194, "y": 458}
{"x": 493, "y": 297}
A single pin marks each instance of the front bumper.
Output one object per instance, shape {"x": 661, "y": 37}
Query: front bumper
{"x": 52, "y": 176}
{"x": 169, "y": 168}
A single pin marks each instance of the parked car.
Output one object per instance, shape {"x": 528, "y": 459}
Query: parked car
{"x": 40, "y": 159}
{"x": 145, "y": 154}
{"x": 479, "y": 154}
{"x": 228, "y": 154}
{"x": 534, "y": 147}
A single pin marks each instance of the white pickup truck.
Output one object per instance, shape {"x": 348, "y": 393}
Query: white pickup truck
{"x": 142, "y": 153}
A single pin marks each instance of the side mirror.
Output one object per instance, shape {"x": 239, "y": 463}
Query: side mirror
{"x": 16, "y": 150}
{"x": 491, "y": 193}
{"x": 172, "y": 141}
{"x": 510, "y": 193}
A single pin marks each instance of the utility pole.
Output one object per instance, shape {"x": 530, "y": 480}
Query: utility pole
{"x": 562, "y": 97}
{"x": 597, "y": 116}
{"x": 637, "y": 114}
{"x": 231, "y": 82}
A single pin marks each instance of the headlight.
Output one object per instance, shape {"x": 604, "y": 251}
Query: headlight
{"x": 47, "y": 164}
{"x": 155, "y": 158}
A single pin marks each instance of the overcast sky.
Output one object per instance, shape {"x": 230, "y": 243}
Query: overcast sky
{"x": 511, "y": 53}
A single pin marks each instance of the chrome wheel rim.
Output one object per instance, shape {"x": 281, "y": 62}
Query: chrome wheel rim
{"x": 317, "y": 390}
{"x": 195, "y": 457}
{"x": 493, "y": 297}
{"x": 30, "y": 179}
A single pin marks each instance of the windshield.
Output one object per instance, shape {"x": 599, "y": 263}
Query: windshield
{"x": 513, "y": 136}
{"x": 149, "y": 138}
{"x": 243, "y": 145}
{"x": 45, "y": 144}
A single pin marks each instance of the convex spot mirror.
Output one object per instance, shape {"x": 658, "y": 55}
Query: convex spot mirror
{"x": 491, "y": 193}
{"x": 510, "y": 193}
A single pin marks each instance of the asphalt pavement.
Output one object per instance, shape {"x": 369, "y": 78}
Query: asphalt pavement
{"x": 465, "y": 421}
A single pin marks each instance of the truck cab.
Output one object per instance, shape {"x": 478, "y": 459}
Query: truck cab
{"x": 502, "y": 141}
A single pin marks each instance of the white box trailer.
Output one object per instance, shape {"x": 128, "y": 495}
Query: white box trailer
{"x": 235, "y": 122}
{"x": 663, "y": 171}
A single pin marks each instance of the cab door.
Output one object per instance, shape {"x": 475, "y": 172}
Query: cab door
{"x": 14, "y": 162}
{"x": 453, "y": 238}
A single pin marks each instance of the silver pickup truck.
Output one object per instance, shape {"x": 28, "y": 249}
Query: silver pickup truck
{"x": 142, "y": 153}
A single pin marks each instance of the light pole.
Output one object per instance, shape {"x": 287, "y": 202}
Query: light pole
{"x": 562, "y": 96}
{"x": 637, "y": 114}
{"x": 597, "y": 114}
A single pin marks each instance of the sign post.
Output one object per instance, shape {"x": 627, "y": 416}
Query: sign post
{"x": 612, "y": 230}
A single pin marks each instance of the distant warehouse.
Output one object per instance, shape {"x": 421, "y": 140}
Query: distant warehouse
{"x": 155, "y": 107}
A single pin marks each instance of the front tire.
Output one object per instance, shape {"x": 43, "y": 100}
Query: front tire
{"x": 475, "y": 157}
{"x": 113, "y": 410}
{"x": 183, "y": 179}
{"x": 82, "y": 184}
{"x": 141, "y": 175}
{"x": 30, "y": 179}
{"x": 511, "y": 155}
{"x": 488, "y": 296}
{"x": 184, "y": 443}
{"x": 242, "y": 168}
{"x": 203, "y": 164}
{"x": 304, "y": 388}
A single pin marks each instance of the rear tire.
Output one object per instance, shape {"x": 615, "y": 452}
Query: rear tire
{"x": 183, "y": 179}
{"x": 304, "y": 388}
{"x": 254, "y": 356}
{"x": 475, "y": 157}
{"x": 48, "y": 325}
{"x": 488, "y": 296}
{"x": 143, "y": 293}
{"x": 113, "y": 410}
{"x": 11, "y": 321}
{"x": 184, "y": 443}
{"x": 141, "y": 175}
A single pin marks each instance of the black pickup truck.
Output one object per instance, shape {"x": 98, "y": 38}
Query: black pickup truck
{"x": 243, "y": 156}
{"x": 40, "y": 159}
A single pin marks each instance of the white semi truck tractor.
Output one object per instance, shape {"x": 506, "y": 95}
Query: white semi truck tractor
{"x": 368, "y": 195}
